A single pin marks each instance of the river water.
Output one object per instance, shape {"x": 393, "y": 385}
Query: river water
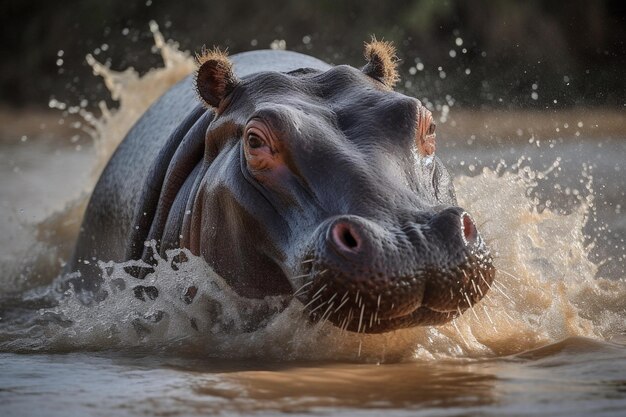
{"x": 549, "y": 340}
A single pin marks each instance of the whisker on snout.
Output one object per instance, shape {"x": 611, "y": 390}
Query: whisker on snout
{"x": 322, "y": 288}
{"x": 314, "y": 299}
{"x": 328, "y": 312}
{"x": 302, "y": 290}
{"x": 518, "y": 279}
{"x": 317, "y": 308}
{"x": 344, "y": 300}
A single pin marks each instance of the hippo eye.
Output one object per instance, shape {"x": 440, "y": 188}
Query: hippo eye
{"x": 431, "y": 129}
{"x": 425, "y": 132}
{"x": 254, "y": 142}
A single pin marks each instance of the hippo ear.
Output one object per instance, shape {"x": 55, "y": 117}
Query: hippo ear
{"x": 381, "y": 62}
{"x": 215, "y": 77}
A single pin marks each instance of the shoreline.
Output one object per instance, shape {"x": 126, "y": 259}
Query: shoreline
{"x": 520, "y": 125}
{"x": 49, "y": 125}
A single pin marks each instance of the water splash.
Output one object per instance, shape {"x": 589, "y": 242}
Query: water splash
{"x": 46, "y": 243}
{"x": 134, "y": 93}
{"x": 545, "y": 289}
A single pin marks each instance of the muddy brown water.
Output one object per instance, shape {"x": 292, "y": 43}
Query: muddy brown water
{"x": 549, "y": 340}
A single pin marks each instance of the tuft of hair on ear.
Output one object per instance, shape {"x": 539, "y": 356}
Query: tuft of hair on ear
{"x": 215, "y": 77}
{"x": 382, "y": 62}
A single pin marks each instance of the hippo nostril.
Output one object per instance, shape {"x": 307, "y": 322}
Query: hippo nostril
{"x": 348, "y": 239}
{"x": 345, "y": 237}
{"x": 469, "y": 228}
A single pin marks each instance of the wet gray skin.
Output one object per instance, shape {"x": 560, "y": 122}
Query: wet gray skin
{"x": 301, "y": 179}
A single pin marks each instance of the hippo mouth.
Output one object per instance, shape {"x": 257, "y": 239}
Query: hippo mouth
{"x": 374, "y": 304}
{"x": 366, "y": 291}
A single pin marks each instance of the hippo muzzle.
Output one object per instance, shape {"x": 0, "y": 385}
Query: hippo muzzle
{"x": 368, "y": 276}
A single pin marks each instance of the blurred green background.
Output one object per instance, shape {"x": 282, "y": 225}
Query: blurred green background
{"x": 489, "y": 54}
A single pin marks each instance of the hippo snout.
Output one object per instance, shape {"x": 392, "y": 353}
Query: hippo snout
{"x": 368, "y": 275}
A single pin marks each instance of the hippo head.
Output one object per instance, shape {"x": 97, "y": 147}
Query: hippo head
{"x": 324, "y": 185}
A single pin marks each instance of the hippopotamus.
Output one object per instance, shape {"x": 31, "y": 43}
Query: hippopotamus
{"x": 292, "y": 177}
